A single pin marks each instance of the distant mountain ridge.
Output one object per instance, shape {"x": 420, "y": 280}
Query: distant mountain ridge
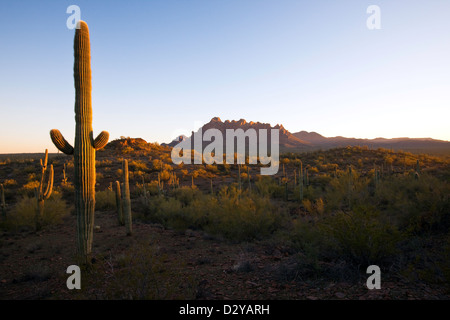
{"x": 404, "y": 143}
{"x": 309, "y": 141}
{"x": 287, "y": 140}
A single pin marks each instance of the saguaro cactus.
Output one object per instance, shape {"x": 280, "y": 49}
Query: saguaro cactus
{"x": 144, "y": 190}
{"x": 300, "y": 172}
{"x": 119, "y": 204}
{"x": 41, "y": 196}
{"x": 306, "y": 177}
{"x": 126, "y": 199}
{"x": 64, "y": 180}
{"x": 85, "y": 145}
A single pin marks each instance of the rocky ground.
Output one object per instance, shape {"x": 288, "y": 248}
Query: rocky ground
{"x": 156, "y": 263}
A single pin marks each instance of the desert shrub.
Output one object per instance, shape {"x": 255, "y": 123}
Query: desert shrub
{"x": 267, "y": 186}
{"x": 361, "y": 236}
{"x": 317, "y": 207}
{"x": 28, "y": 189}
{"x": 165, "y": 175}
{"x": 24, "y": 212}
{"x": 415, "y": 205}
{"x": 68, "y": 189}
{"x": 141, "y": 273}
{"x": 264, "y": 185}
{"x": 184, "y": 172}
{"x": 157, "y": 164}
{"x": 346, "y": 191}
{"x": 243, "y": 217}
{"x": 137, "y": 165}
{"x": 187, "y": 195}
{"x": 9, "y": 182}
{"x": 32, "y": 177}
{"x": 105, "y": 200}
{"x": 127, "y": 150}
{"x": 202, "y": 173}
{"x": 232, "y": 214}
{"x": 308, "y": 205}
{"x": 103, "y": 163}
{"x": 212, "y": 168}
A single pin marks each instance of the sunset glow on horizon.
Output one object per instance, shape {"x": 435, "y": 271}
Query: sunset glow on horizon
{"x": 161, "y": 68}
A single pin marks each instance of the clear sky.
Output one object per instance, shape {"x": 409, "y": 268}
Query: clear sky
{"x": 164, "y": 67}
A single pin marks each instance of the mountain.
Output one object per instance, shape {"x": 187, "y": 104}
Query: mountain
{"x": 309, "y": 141}
{"x": 426, "y": 145}
{"x": 287, "y": 140}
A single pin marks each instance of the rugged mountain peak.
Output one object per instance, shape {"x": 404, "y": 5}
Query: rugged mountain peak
{"x": 216, "y": 119}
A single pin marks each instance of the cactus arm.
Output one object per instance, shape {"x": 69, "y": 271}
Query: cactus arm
{"x": 45, "y": 159}
{"x": 60, "y": 142}
{"x": 101, "y": 140}
{"x": 48, "y": 191}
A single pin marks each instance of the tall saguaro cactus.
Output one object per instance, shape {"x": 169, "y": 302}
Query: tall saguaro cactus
{"x": 119, "y": 206}
{"x": 85, "y": 145}
{"x": 126, "y": 199}
{"x": 42, "y": 195}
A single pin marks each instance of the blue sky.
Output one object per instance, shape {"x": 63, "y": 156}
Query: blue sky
{"x": 163, "y": 67}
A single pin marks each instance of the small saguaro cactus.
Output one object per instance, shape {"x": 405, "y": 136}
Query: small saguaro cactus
{"x": 159, "y": 184}
{"x": 417, "y": 166}
{"x": 144, "y": 190}
{"x": 126, "y": 199}
{"x": 64, "y": 180}
{"x": 42, "y": 195}
{"x": 119, "y": 206}
{"x": 3, "y": 203}
{"x": 306, "y": 177}
{"x": 301, "y": 189}
{"x": 85, "y": 144}
{"x": 300, "y": 172}
{"x": 376, "y": 177}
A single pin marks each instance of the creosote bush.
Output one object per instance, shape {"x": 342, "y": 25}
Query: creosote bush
{"x": 24, "y": 212}
{"x": 105, "y": 200}
{"x": 232, "y": 214}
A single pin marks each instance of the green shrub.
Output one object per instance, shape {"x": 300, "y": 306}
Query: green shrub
{"x": 415, "y": 205}
{"x": 361, "y": 236}
{"x": 105, "y": 200}
{"x": 232, "y": 214}
{"x": 24, "y": 212}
